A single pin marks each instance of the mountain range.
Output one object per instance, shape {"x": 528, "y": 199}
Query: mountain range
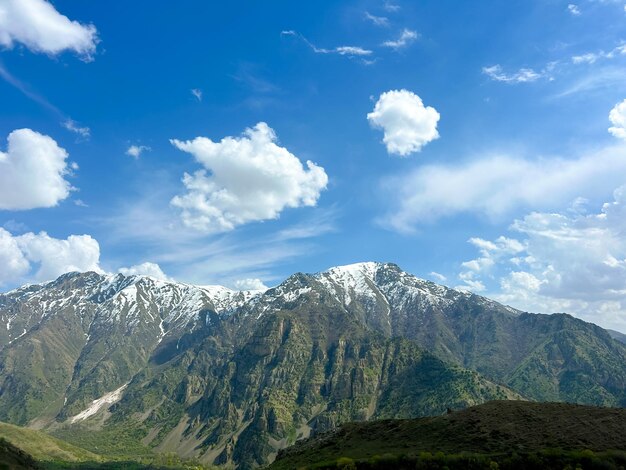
{"x": 127, "y": 365}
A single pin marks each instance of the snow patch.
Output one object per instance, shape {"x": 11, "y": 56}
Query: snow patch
{"x": 96, "y": 405}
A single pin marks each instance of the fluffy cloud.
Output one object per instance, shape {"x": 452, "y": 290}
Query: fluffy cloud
{"x": 251, "y": 178}
{"x": 49, "y": 257}
{"x": 32, "y": 172}
{"x": 406, "y": 37}
{"x": 40, "y": 27}
{"x": 617, "y": 116}
{"x": 572, "y": 262}
{"x": 523, "y": 75}
{"x": 135, "y": 151}
{"x": 495, "y": 186}
{"x": 145, "y": 269}
{"x": 407, "y": 124}
{"x": 250, "y": 284}
{"x": 14, "y": 263}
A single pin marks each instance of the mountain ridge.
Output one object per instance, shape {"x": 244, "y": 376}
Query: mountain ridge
{"x": 234, "y": 377}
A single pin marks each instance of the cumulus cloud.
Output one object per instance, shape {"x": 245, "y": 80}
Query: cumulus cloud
{"x": 14, "y": 263}
{"x": 495, "y": 186}
{"x": 145, "y": 269}
{"x": 250, "y": 284}
{"x": 523, "y": 75}
{"x": 407, "y": 124}
{"x": 135, "y": 151}
{"x": 406, "y": 37}
{"x": 41, "y": 28}
{"x": 568, "y": 262}
{"x": 491, "y": 252}
{"x": 41, "y": 257}
{"x": 617, "y": 116}
{"x": 251, "y": 179}
{"x": 32, "y": 172}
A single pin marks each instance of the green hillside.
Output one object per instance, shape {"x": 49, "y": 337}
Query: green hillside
{"x": 497, "y": 428}
{"x": 12, "y": 458}
{"x": 43, "y": 447}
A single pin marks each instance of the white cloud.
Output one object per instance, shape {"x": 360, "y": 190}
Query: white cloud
{"x": 41, "y": 28}
{"x": 617, "y": 116}
{"x": 573, "y": 9}
{"x": 377, "y": 20}
{"x": 32, "y": 172}
{"x": 250, "y": 284}
{"x": 145, "y": 269}
{"x": 495, "y": 186}
{"x": 349, "y": 51}
{"x": 251, "y": 178}
{"x": 49, "y": 257}
{"x": 406, "y": 37}
{"x": 197, "y": 93}
{"x": 438, "y": 277}
{"x": 567, "y": 262}
{"x": 346, "y": 50}
{"x": 14, "y": 263}
{"x": 74, "y": 127}
{"x": 470, "y": 283}
{"x": 389, "y": 6}
{"x": 407, "y": 124}
{"x": 523, "y": 75}
{"x": 135, "y": 151}
{"x": 490, "y": 254}
{"x": 593, "y": 57}
{"x": 588, "y": 58}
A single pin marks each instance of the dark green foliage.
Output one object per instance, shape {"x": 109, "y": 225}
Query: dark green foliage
{"x": 490, "y": 432}
{"x": 542, "y": 460}
{"x": 12, "y": 458}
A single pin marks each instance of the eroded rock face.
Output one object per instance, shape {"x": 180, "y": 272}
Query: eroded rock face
{"x": 231, "y": 377}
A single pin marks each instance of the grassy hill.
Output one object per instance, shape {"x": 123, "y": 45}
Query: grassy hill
{"x": 22, "y": 448}
{"x": 12, "y": 458}
{"x": 43, "y": 447}
{"x": 498, "y": 428}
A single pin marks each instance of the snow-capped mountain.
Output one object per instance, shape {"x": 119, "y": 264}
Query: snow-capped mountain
{"x": 232, "y": 376}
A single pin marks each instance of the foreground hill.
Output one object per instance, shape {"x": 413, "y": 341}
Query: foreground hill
{"x": 499, "y": 427}
{"x": 40, "y": 446}
{"x": 13, "y": 458}
{"x": 131, "y": 365}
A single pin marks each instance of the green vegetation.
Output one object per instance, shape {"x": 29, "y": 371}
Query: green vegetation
{"x": 41, "y": 446}
{"x": 115, "y": 442}
{"x": 480, "y": 434}
{"x": 13, "y": 458}
{"x": 550, "y": 459}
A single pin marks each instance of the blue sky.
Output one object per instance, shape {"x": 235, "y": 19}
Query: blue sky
{"x": 477, "y": 144}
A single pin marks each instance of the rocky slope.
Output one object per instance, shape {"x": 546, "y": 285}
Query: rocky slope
{"x": 235, "y": 376}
